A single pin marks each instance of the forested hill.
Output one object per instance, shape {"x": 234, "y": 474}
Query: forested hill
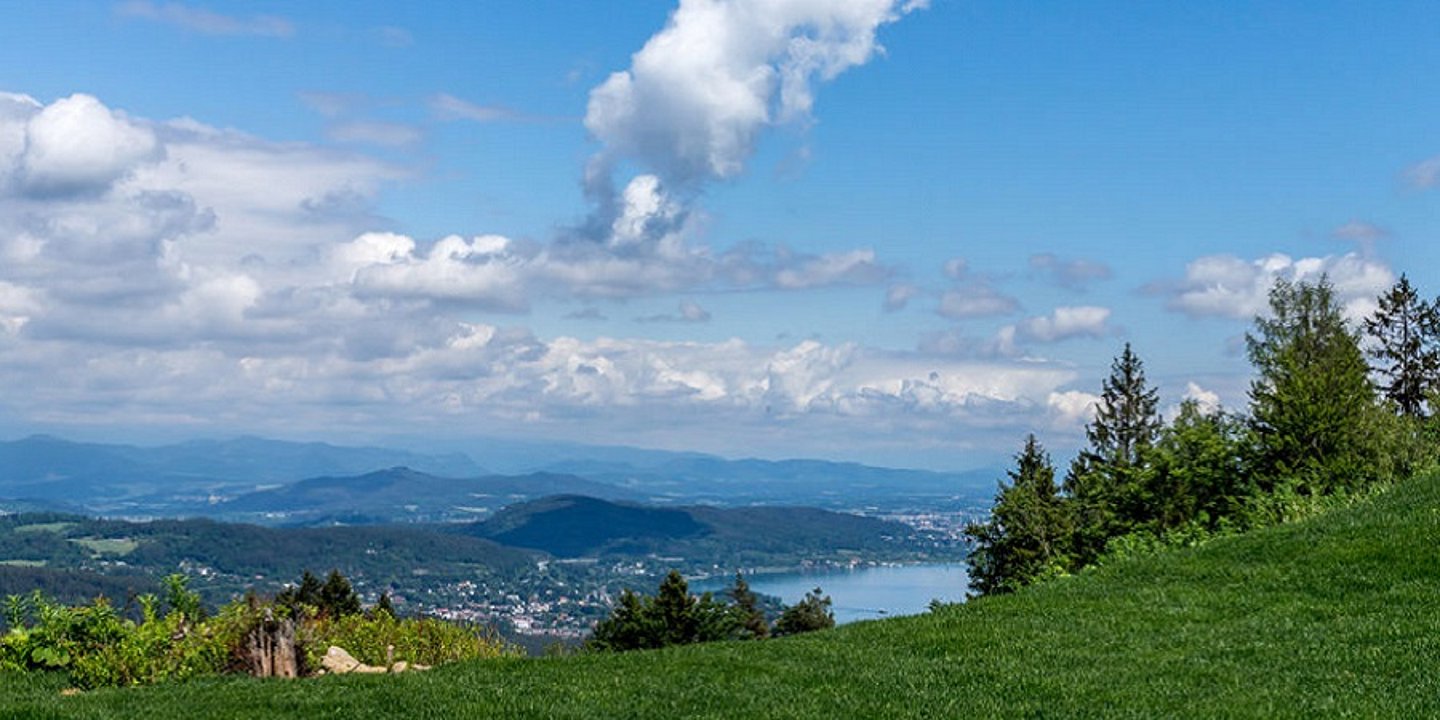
{"x": 575, "y": 526}
{"x": 232, "y": 557}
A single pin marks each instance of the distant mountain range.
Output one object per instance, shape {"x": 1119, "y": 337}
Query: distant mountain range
{"x": 400, "y": 495}
{"x": 278, "y": 482}
{"x": 802, "y": 482}
{"x": 100, "y": 476}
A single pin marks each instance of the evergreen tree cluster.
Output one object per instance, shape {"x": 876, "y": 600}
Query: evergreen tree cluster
{"x": 675, "y": 617}
{"x": 1320, "y": 422}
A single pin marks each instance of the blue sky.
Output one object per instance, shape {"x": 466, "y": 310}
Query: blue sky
{"x": 884, "y": 230}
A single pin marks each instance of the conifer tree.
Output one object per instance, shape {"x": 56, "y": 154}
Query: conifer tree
{"x": 1405, "y": 343}
{"x": 1312, "y": 406}
{"x": 747, "y": 607}
{"x": 1026, "y": 534}
{"x": 385, "y": 606}
{"x": 674, "y": 607}
{"x": 810, "y": 614}
{"x": 1107, "y": 483}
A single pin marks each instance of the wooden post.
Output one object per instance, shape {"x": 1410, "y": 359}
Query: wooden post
{"x": 270, "y": 648}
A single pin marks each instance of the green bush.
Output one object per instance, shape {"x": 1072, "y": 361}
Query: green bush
{"x": 99, "y": 648}
{"x": 424, "y": 641}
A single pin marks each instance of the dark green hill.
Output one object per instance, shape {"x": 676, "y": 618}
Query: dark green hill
{"x": 573, "y": 525}
{"x": 576, "y": 526}
{"x": 227, "y": 558}
{"x": 1331, "y": 617}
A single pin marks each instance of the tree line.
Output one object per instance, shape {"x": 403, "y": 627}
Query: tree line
{"x": 675, "y": 617}
{"x": 1322, "y": 423}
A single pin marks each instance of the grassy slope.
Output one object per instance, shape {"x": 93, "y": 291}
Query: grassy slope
{"x": 1339, "y": 615}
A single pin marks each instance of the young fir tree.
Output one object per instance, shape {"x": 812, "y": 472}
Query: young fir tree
{"x": 747, "y": 607}
{"x": 1026, "y": 535}
{"x": 1313, "y": 409}
{"x": 337, "y": 598}
{"x": 672, "y": 617}
{"x": 810, "y": 614}
{"x": 1405, "y": 343}
{"x": 385, "y": 606}
{"x": 1108, "y": 481}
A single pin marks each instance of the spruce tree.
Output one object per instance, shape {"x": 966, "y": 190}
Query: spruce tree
{"x": 810, "y": 614}
{"x": 1025, "y": 537}
{"x": 1405, "y": 343}
{"x": 1108, "y": 482}
{"x": 337, "y": 598}
{"x": 384, "y": 606}
{"x": 1313, "y": 409}
{"x": 747, "y": 607}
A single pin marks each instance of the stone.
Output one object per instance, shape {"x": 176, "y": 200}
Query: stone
{"x": 338, "y": 661}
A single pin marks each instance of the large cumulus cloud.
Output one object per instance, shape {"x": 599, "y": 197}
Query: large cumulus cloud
{"x": 699, "y": 93}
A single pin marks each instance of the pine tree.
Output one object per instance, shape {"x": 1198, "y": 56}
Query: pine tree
{"x": 337, "y": 598}
{"x": 810, "y": 614}
{"x": 384, "y": 606}
{"x": 1405, "y": 335}
{"x": 1126, "y": 421}
{"x": 1026, "y": 535}
{"x": 747, "y": 607}
{"x": 674, "y": 608}
{"x": 1108, "y": 482}
{"x": 1312, "y": 406}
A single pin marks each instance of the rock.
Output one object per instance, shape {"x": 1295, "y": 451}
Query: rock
{"x": 400, "y": 667}
{"x": 338, "y": 661}
{"x": 68, "y": 692}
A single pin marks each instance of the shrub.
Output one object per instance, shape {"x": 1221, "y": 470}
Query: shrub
{"x": 424, "y": 641}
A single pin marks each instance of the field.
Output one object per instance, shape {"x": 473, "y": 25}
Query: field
{"x": 1338, "y": 615}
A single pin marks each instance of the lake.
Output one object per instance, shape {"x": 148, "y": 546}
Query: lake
{"x": 865, "y": 593}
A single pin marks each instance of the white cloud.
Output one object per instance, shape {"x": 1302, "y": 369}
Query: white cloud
{"x": 975, "y": 300}
{"x": 1067, "y": 322}
{"x": 213, "y": 278}
{"x": 1360, "y": 231}
{"x": 1227, "y": 286}
{"x": 689, "y": 312}
{"x": 1209, "y": 401}
{"x": 77, "y": 145}
{"x": 375, "y": 133}
{"x": 1424, "y": 174}
{"x": 449, "y": 108}
{"x": 852, "y": 267}
{"x": 898, "y": 296}
{"x": 1063, "y": 323}
{"x": 1072, "y": 408}
{"x": 206, "y": 22}
{"x": 480, "y": 271}
{"x": 697, "y": 95}
{"x": 1073, "y": 274}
